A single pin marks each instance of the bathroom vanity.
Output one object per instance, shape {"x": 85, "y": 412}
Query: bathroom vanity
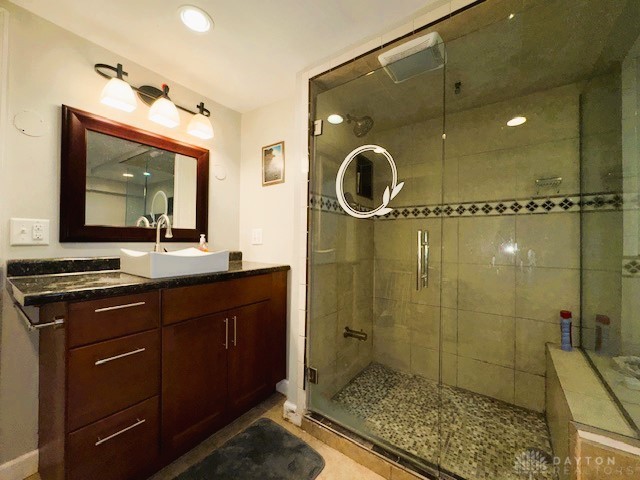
{"x": 134, "y": 372}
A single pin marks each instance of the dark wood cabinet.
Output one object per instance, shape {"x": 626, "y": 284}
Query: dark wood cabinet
{"x": 194, "y": 381}
{"x": 132, "y": 382}
{"x": 249, "y": 377}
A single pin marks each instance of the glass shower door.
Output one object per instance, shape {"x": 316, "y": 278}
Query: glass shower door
{"x": 373, "y": 325}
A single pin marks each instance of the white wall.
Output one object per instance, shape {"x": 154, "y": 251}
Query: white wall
{"x": 270, "y": 208}
{"x": 47, "y": 67}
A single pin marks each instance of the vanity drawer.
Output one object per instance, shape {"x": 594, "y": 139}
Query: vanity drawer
{"x": 109, "y": 376}
{"x": 108, "y": 318}
{"x": 197, "y": 301}
{"x": 124, "y": 446}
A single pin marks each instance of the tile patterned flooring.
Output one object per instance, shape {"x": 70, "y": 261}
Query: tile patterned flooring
{"x": 478, "y": 438}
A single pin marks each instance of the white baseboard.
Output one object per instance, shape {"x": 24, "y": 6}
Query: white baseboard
{"x": 283, "y": 387}
{"x": 290, "y": 413}
{"x": 20, "y": 468}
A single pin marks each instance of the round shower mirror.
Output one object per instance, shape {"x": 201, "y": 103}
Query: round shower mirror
{"x": 366, "y": 187}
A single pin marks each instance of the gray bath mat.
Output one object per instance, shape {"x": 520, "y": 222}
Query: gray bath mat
{"x": 264, "y": 451}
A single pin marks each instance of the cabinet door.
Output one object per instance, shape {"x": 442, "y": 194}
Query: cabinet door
{"x": 249, "y": 381}
{"x": 194, "y": 381}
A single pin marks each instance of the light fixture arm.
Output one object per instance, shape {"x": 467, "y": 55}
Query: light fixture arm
{"x": 119, "y": 73}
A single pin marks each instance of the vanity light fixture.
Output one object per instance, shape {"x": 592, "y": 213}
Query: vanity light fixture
{"x": 118, "y": 93}
{"x": 164, "y": 111}
{"x": 128, "y": 175}
{"x": 335, "y": 119}
{"x": 200, "y": 125}
{"x": 195, "y": 18}
{"x": 147, "y": 174}
{"x": 516, "y": 121}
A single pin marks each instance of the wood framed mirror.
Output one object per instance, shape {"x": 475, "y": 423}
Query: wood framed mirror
{"x": 117, "y": 179}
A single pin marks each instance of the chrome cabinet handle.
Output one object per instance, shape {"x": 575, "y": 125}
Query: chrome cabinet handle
{"x": 118, "y": 307}
{"x": 422, "y": 264}
{"x": 122, "y": 355}
{"x": 226, "y": 333}
{"x": 235, "y": 331}
{"x": 106, "y": 439}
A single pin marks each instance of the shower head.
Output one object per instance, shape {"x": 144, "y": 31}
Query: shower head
{"x": 414, "y": 57}
{"x": 361, "y": 126}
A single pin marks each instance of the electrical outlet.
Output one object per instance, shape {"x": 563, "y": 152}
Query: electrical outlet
{"x": 256, "y": 236}
{"x": 29, "y": 231}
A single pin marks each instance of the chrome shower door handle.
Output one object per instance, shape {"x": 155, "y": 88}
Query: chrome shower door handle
{"x": 422, "y": 260}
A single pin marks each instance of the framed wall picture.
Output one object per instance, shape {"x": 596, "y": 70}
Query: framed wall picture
{"x": 273, "y": 164}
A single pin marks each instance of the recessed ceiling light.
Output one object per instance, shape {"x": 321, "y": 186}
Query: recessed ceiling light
{"x": 195, "y": 18}
{"x": 335, "y": 119}
{"x": 511, "y": 16}
{"x": 515, "y": 121}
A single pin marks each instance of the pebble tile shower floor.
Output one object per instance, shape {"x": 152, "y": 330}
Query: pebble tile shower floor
{"x": 478, "y": 438}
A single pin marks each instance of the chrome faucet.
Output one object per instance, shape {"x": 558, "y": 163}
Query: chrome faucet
{"x": 162, "y": 220}
{"x": 143, "y": 221}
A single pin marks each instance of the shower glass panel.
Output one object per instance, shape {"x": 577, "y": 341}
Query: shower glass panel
{"x": 374, "y": 325}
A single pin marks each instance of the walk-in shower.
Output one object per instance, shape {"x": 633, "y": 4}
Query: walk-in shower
{"x": 444, "y": 242}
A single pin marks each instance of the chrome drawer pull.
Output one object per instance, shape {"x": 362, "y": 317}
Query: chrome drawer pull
{"x": 122, "y": 355}
{"x": 226, "y": 334}
{"x": 106, "y": 439}
{"x": 118, "y": 307}
{"x": 235, "y": 330}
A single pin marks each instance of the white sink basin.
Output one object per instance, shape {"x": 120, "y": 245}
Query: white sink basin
{"x": 189, "y": 261}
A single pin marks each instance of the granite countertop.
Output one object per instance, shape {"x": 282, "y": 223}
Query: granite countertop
{"x": 37, "y": 290}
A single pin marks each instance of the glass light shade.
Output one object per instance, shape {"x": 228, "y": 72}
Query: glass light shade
{"x": 118, "y": 94}
{"x": 164, "y": 112}
{"x": 195, "y": 18}
{"x": 200, "y": 127}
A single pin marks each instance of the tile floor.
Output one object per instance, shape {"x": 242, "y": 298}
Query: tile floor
{"x": 337, "y": 465}
{"x": 474, "y": 437}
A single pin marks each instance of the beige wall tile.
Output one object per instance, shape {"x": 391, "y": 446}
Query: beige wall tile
{"x": 485, "y": 240}
{"x": 542, "y": 292}
{"x": 424, "y": 324}
{"x": 557, "y": 158}
{"x": 485, "y": 337}
{"x": 425, "y": 362}
{"x": 450, "y": 239}
{"x": 450, "y": 330}
{"x": 395, "y": 354}
{"x": 394, "y": 280}
{"x": 487, "y": 289}
{"x": 324, "y": 279}
{"x": 602, "y": 240}
{"x": 551, "y": 240}
{"x": 449, "y": 294}
{"x": 488, "y": 175}
{"x": 531, "y": 339}
{"x": 601, "y": 163}
{"x": 602, "y": 294}
{"x": 449, "y": 369}
{"x": 485, "y": 378}
{"x": 529, "y": 391}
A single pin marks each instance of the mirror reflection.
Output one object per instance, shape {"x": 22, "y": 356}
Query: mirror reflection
{"x": 130, "y": 184}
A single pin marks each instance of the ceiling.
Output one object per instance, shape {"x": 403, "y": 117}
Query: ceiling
{"x": 495, "y": 58}
{"x": 252, "y": 55}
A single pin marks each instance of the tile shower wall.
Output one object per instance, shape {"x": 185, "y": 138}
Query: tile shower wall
{"x": 342, "y": 274}
{"x": 504, "y": 277}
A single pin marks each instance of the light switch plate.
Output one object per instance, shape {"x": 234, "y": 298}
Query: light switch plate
{"x": 29, "y": 231}
{"x": 256, "y": 236}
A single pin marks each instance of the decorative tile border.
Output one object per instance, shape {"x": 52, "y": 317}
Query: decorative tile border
{"x": 631, "y": 267}
{"x": 535, "y": 205}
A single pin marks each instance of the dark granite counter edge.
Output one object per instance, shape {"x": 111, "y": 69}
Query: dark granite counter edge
{"x": 54, "y": 266}
{"x": 40, "y": 299}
